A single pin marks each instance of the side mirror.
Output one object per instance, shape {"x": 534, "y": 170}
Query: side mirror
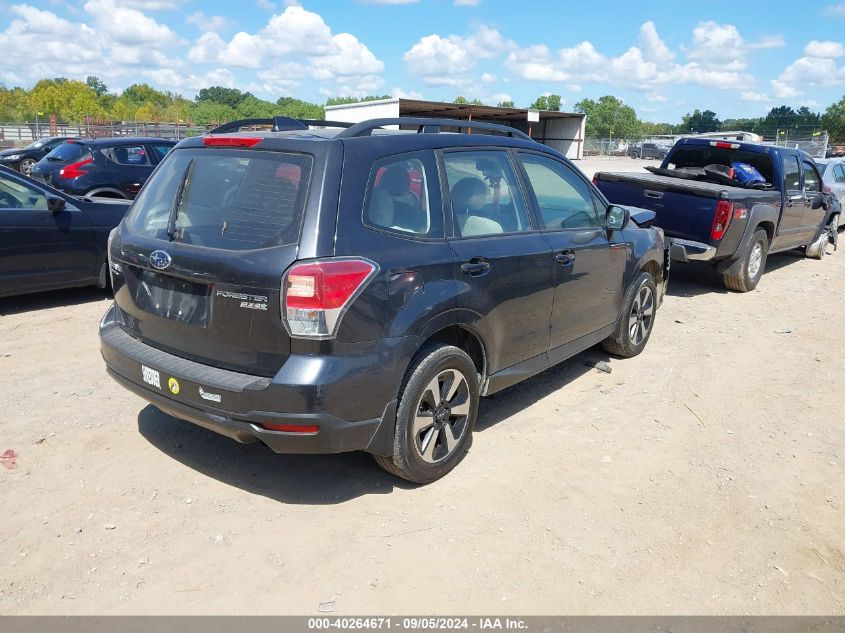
{"x": 55, "y": 205}
{"x": 617, "y": 218}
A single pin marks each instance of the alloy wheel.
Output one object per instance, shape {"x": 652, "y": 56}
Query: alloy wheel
{"x": 642, "y": 315}
{"x": 440, "y": 420}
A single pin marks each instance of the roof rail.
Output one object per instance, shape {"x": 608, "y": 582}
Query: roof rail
{"x": 279, "y": 123}
{"x": 429, "y": 126}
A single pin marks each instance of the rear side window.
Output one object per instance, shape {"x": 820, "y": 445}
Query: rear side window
{"x": 69, "y": 152}
{"x": 839, "y": 173}
{"x": 228, "y": 199}
{"x": 398, "y": 197}
{"x": 133, "y": 155}
{"x": 812, "y": 181}
{"x": 791, "y": 174}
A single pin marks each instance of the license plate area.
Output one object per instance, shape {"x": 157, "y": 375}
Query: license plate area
{"x": 172, "y": 298}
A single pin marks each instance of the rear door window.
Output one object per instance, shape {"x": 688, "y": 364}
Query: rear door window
{"x": 228, "y": 199}
{"x": 839, "y": 174}
{"x": 791, "y": 174}
{"x": 132, "y": 155}
{"x": 398, "y": 197}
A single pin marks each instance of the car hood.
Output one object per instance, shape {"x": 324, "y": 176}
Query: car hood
{"x": 9, "y": 152}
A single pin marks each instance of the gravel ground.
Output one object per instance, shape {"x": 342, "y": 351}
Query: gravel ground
{"x": 703, "y": 477}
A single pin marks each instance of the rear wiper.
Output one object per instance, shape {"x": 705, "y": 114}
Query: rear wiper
{"x": 177, "y": 201}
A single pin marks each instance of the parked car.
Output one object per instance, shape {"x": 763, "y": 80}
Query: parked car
{"x": 648, "y": 150}
{"x": 50, "y": 240}
{"x": 105, "y": 168}
{"x": 710, "y": 217}
{"x": 24, "y": 159}
{"x": 268, "y": 288}
{"x": 833, "y": 179}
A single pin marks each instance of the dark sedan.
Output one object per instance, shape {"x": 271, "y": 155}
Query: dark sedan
{"x": 50, "y": 240}
{"x": 24, "y": 159}
{"x": 105, "y": 168}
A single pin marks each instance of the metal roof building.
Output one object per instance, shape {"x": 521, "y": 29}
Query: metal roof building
{"x": 563, "y": 131}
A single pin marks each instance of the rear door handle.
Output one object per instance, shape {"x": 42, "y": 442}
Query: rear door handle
{"x": 565, "y": 258}
{"x": 475, "y": 267}
{"x": 656, "y": 195}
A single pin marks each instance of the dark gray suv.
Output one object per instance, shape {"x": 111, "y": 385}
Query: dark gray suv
{"x": 328, "y": 290}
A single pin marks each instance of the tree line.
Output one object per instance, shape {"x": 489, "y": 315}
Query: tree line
{"x": 77, "y": 102}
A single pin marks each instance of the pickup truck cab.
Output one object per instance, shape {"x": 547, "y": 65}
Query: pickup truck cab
{"x": 711, "y": 217}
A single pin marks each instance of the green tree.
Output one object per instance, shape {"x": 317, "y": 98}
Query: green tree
{"x": 15, "y": 105}
{"x": 700, "y": 122}
{"x": 96, "y": 85}
{"x": 550, "y": 103}
{"x": 505, "y": 104}
{"x": 231, "y": 97}
{"x": 140, "y": 94}
{"x": 254, "y": 108}
{"x": 69, "y": 100}
{"x": 740, "y": 125}
{"x": 609, "y": 116}
{"x": 833, "y": 121}
{"x": 649, "y": 129}
{"x": 333, "y": 101}
{"x": 212, "y": 113}
{"x": 298, "y": 109}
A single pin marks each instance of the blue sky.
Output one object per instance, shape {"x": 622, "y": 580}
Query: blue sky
{"x": 664, "y": 59}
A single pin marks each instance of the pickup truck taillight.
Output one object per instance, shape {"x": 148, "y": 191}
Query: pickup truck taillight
{"x": 724, "y": 211}
{"x": 315, "y": 294}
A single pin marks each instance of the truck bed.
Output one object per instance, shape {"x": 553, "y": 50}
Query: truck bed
{"x": 685, "y": 208}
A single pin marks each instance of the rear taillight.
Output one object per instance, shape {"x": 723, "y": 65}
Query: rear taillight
{"x": 595, "y": 181}
{"x": 315, "y": 294}
{"x": 75, "y": 170}
{"x": 724, "y": 210}
{"x": 827, "y": 189}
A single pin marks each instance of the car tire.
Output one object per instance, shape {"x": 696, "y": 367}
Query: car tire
{"x": 818, "y": 248}
{"x": 26, "y": 166}
{"x": 635, "y": 155}
{"x": 637, "y": 321}
{"x": 753, "y": 264}
{"x": 434, "y": 430}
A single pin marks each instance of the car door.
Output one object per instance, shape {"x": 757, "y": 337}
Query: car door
{"x": 158, "y": 151}
{"x": 814, "y": 211}
{"x": 790, "y": 231}
{"x": 130, "y": 167}
{"x": 589, "y": 263}
{"x": 40, "y": 248}
{"x": 503, "y": 271}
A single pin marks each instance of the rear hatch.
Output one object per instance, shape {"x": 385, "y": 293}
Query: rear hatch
{"x": 69, "y": 153}
{"x": 201, "y": 255}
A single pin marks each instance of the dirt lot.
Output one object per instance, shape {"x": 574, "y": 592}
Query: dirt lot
{"x": 705, "y": 476}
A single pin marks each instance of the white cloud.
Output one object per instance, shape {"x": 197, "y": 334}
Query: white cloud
{"x": 835, "y": 9}
{"x": 824, "y": 49}
{"x": 128, "y": 26}
{"x": 207, "y": 23}
{"x": 448, "y": 60}
{"x": 654, "y": 48}
{"x": 398, "y": 93}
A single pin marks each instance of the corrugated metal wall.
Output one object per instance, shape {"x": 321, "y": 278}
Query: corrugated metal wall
{"x": 563, "y": 135}
{"x": 357, "y": 112}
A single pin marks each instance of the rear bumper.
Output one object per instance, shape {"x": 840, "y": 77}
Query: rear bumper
{"x": 235, "y": 404}
{"x": 688, "y": 250}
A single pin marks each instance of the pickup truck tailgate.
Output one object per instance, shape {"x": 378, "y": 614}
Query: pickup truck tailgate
{"x": 685, "y": 209}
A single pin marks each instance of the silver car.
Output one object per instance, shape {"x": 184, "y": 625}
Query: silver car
{"x": 833, "y": 177}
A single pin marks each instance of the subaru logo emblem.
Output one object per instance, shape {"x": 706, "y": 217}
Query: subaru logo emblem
{"x": 159, "y": 259}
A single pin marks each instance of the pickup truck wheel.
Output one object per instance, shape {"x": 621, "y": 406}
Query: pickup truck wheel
{"x": 635, "y": 155}
{"x": 817, "y": 249}
{"x": 753, "y": 264}
{"x": 637, "y": 320}
{"x": 438, "y": 404}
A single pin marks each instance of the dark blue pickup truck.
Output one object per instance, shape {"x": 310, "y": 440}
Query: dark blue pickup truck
{"x": 711, "y": 217}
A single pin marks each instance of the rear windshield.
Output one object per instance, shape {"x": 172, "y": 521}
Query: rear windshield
{"x": 702, "y": 156}
{"x": 229, "y": 199}
{"x": 69, "y": 152}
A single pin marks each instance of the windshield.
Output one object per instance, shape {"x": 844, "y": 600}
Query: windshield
{"x": 35, "y": 145}
{"x": 704, "y": 156}
{"x": 231, "y": 199}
